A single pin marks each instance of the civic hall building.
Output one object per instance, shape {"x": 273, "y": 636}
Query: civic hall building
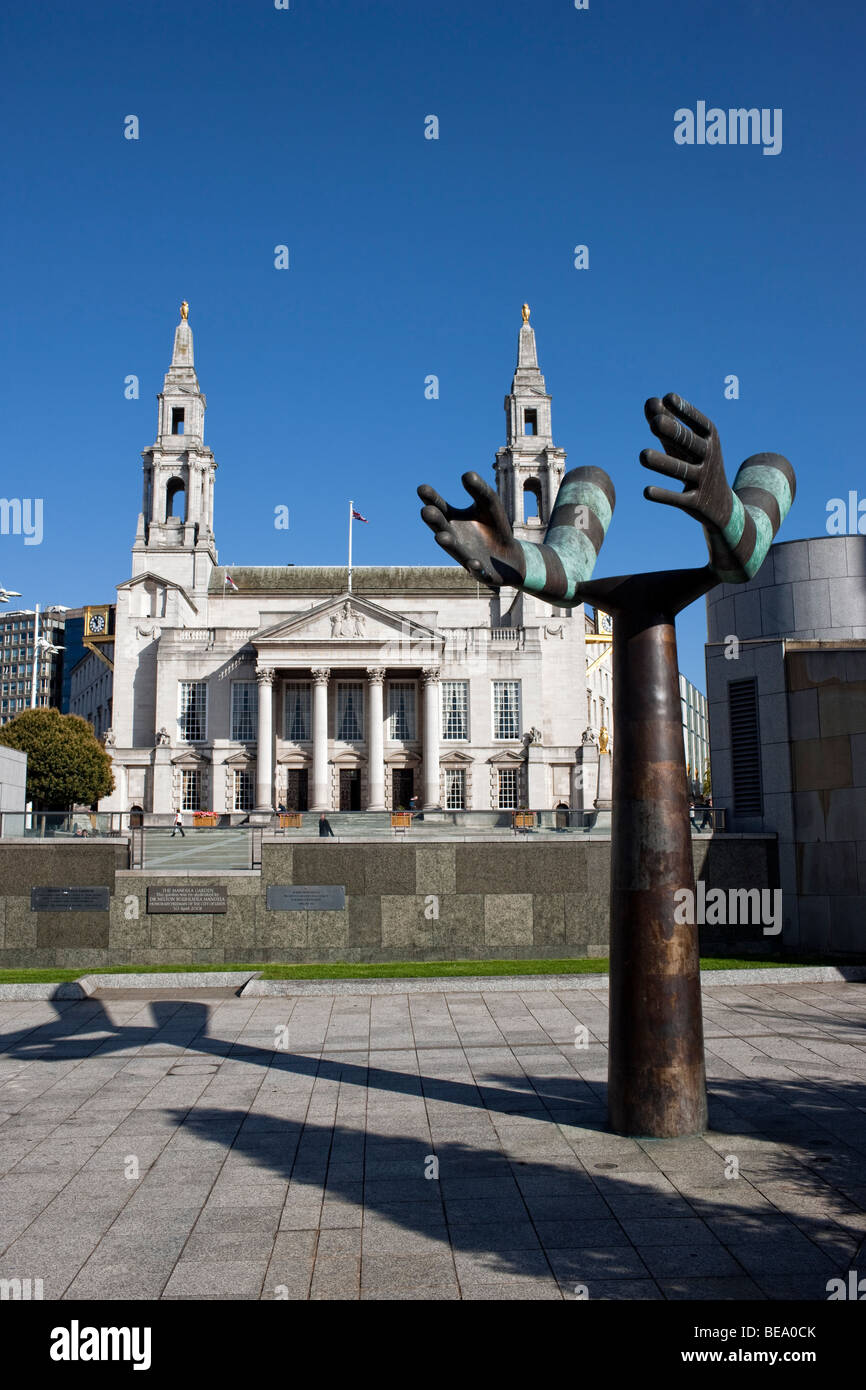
{"x": 268, "y": 686}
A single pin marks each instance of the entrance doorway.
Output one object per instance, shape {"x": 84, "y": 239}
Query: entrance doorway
{"x": 350, "y": 789}
{"x": 402, "y": 788}
{"x": 136, "y": 817}
{"x": 296, "y": 789}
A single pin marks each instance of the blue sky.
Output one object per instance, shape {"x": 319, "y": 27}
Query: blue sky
{"x": 408, "y": 257}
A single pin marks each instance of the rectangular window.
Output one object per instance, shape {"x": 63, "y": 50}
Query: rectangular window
{"x": 745, "y": 747}
{"x": 350, "y": 711}
{"x": 244, "y": 712}
{"x": 177, "y": 420}
{"x": 192, "y": 720}
{"x": 243, "y": 789}
{"x": 509, "y": 788}
{"x": 455, "y": 703}
{"x": 401, "y": 709}
{"x": 530, "y": 419}
{"x": 190, "y": 792}
{"x": 296, "y": 711}
{"x": 506, "y": 709}
{"x": 455, "y": 789}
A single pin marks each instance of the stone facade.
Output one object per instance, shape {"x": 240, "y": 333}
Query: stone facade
{"x": 246, "y": 690}
{"x": 786, "y": 684}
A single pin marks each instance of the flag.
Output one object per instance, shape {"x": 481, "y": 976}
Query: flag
{"x": 356, "y": 516}
{"x": 230, "y": 583}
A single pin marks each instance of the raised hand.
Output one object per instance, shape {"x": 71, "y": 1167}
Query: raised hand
{"x": 480, "y": 536}
{"x": 739, "y": 522}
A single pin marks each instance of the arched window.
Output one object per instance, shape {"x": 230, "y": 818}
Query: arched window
{"x": 532, "y": 500}
{"x": 175, "y": 499}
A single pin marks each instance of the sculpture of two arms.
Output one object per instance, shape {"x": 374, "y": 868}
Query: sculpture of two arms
{"x": 739, "y": 522}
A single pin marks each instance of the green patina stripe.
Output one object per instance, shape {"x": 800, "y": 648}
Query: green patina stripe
{"x": 583, "y": 494}
{"x": 763, "y": 539}
{"x": 736, "y": 521}
{"x": 536, "y": 570}
{"x": 576, "y": 552}
{"x": 771, "y": 479}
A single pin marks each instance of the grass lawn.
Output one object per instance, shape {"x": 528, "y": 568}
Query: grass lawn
{"x": 397, "y": 970}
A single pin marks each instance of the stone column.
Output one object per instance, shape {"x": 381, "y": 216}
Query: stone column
{"x": 265, "y": 750}
{"x": 430, "y": 677}
{"x": 375, "y": 739}
{"x": 320, "y": 740}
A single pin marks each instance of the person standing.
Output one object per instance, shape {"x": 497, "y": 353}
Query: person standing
{"x": 324, "y": 826}
{"x": 178, "y": 825}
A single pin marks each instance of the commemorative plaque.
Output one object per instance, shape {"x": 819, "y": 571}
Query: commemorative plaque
{"x": 312, "y": 897}
{"x": 69, "y": 899}
{"x": 187, "y": 897}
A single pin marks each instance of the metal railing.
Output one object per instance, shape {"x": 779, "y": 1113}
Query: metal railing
{"x": 212, "y": 849}
{"x": 63, "y": 825}
{"x": 240, "y": 846}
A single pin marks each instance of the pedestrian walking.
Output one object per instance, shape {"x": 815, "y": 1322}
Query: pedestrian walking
{"x": 324, "y": 826}
{"x": 178, "y": 825}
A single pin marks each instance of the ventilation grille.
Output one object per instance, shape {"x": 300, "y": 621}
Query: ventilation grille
{"x": 745, "y": 747}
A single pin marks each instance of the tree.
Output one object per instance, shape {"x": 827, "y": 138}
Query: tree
{"x": 66, "y": 764}
{"x": 708, "y": 784}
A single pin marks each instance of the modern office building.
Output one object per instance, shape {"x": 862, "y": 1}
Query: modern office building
{"x": 696, "y": 735}
{"x": 17, "y": 634}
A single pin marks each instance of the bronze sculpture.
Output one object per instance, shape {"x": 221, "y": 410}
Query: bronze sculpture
{"x": 656, "y": 1084}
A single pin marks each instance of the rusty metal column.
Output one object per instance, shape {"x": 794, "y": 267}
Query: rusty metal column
{"x": 657, "y": 1084}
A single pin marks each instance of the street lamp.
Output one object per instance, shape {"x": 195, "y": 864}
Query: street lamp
{"x": 40, "y": 645}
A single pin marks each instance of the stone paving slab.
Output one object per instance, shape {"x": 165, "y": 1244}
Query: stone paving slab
{"x": 197, "y": 1146}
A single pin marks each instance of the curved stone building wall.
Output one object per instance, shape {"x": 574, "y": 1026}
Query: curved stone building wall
{"x": 786, "y": 687}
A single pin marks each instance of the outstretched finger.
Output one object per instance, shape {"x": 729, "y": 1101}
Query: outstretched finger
{"x": 429, "y": 495}
{"x": 674, "y": 432}
{"x": 671, "y": 467}
{"x": 434, "y": 518}
{"x": 670, "y": 499}
{"x": 689, "y": 413}
{"x": 487, "y": 498}
{"x": 478, "y": 489}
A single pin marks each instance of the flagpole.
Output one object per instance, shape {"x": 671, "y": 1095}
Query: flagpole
{"x": 351, "y": 506}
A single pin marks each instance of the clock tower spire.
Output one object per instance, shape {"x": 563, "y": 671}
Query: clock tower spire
{"x": 530, "y": 467}
{"x": 175, "y": 527}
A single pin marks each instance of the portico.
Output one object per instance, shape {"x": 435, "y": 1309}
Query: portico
{"x": 326, "y": 720}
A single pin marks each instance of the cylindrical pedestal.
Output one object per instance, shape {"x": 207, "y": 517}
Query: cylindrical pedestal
{"x": 657, "y": 1085}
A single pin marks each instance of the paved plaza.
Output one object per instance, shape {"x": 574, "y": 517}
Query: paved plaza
{"x": 422, "y": 1146}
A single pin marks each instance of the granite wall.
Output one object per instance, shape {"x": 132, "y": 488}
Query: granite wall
{"x": 403, "y": 902}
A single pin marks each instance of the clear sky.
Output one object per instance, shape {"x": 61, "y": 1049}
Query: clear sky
{"x": 410, "y": 257}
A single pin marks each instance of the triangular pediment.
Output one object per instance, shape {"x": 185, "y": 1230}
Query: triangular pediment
{"x": 151, "y": 577}
{"x": 191, "y": 757}
{"x": 349, "y": 622}
{"x": 457, "y": 756}
{"x": 507, "y": 756}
